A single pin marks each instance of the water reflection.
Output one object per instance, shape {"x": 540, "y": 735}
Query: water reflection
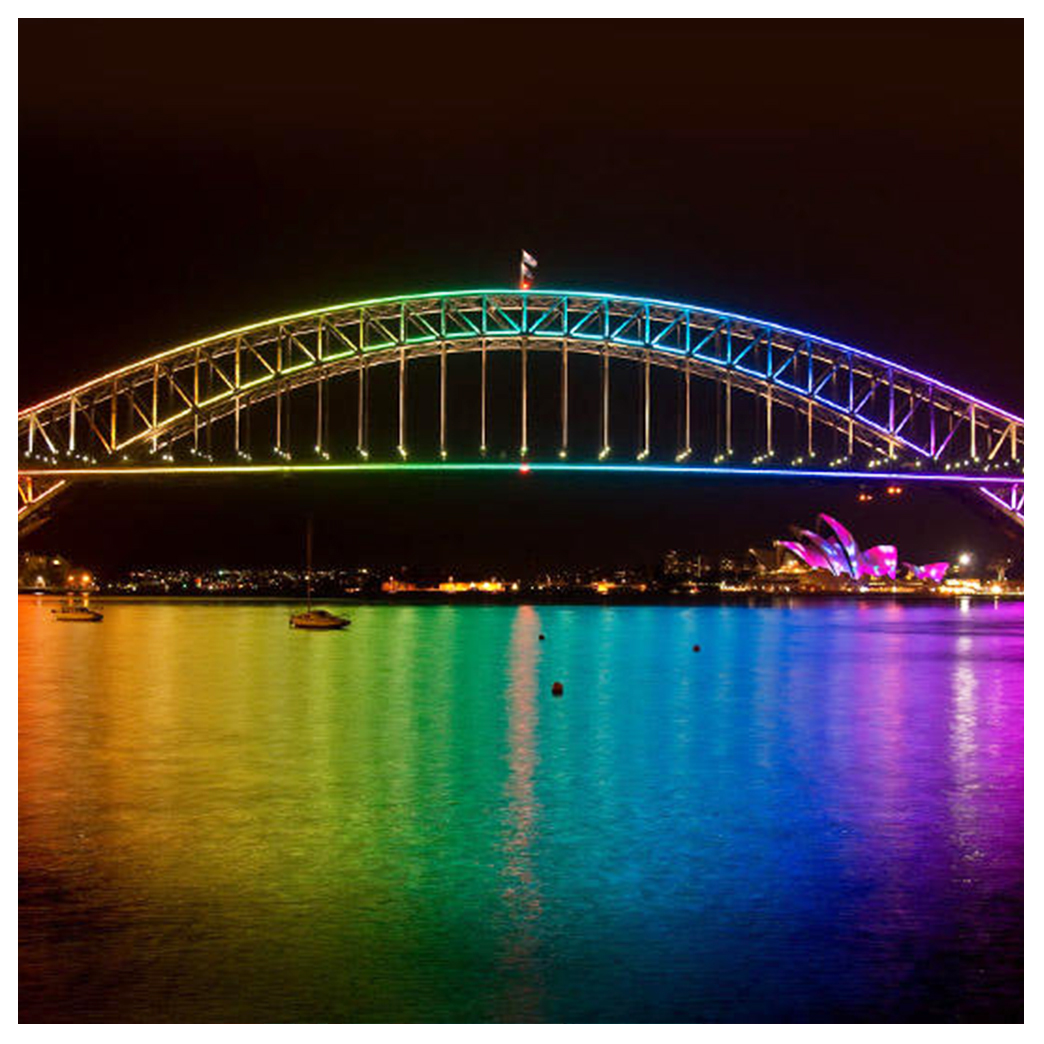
{"x": 818, "y": 816}
{"x": 963, "y": 728}
{"x": 522, "y": 979}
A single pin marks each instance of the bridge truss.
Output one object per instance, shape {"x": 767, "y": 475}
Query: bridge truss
{"x": 880, "y": 418}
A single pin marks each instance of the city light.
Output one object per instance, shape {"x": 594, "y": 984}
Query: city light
{"x": 463, "y": 586}
{"x": 680, "y": 574}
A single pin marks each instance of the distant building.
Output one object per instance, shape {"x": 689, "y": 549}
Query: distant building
{"x": 42, "y": 572}
{"x": 768, "y": 559}
{"x": 834, "y": 561}
{"x": 452, "y": 586}
{"x": 681, "y": 567}
{"x": 778, "y": 571}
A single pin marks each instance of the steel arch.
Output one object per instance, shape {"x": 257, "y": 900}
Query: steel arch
{"x": 906, "y": 420}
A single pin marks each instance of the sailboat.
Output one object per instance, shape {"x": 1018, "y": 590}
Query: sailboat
{"x": 315, "y": 619}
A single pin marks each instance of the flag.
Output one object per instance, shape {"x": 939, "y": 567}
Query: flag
{"x": 527, "y": 270}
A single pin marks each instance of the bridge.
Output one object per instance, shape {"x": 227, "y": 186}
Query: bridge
{"x": 750, "y": 397}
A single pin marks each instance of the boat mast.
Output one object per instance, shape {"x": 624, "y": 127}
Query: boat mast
{"x": 308, "y": 570}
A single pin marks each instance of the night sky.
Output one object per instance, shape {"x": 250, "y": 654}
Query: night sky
{"x": 862, "y": 180}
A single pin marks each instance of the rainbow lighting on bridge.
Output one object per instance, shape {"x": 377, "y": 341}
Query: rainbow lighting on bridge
{"x": 754, "y": 398}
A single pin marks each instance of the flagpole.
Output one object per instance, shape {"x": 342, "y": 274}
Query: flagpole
{"x": 526, "y": 268}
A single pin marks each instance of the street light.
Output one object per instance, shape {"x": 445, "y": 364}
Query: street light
{"x": 965, "y": 558}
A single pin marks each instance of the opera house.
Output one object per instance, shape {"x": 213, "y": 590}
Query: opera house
{"x": 830, "y": 559}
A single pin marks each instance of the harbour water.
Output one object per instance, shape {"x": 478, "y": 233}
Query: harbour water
{"x": 817, "y": 817}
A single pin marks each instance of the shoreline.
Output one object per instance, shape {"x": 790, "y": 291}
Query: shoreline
{"x": 520, "y": 598}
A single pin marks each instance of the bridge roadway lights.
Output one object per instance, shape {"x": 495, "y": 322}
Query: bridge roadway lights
{"x": 131, "y": 471}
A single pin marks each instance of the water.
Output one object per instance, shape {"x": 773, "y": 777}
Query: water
{"x": 818, "y": 817}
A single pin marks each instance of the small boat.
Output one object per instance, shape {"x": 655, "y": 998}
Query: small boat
{"x": 318, "y": 620}
{"x": 315, "y": 619}
{"x": 77, "y": 614}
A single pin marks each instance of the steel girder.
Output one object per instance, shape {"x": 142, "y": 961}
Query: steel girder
{"x": 905, "y": 419}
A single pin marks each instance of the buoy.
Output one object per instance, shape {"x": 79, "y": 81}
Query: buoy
{"x": 695, "y": 648}
{"x": 541, "y": 637}
{"x": 557, "y": 689}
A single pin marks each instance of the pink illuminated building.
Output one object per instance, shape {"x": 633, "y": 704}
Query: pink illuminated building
{"x": 839, "y": 554}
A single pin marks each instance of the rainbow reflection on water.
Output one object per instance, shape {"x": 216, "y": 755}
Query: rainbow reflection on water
{"x": 819, "y": 817}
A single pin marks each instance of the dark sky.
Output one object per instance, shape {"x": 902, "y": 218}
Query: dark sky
{"x": 862, "y": 180}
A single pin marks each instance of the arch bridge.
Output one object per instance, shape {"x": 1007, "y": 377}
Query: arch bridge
{"x": 782, "y": 401}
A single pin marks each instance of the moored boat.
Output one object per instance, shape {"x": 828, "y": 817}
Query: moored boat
{"x": 315, "y": 619}
{"x": 318, "y": 620}
{"x": 77, "y": 614}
